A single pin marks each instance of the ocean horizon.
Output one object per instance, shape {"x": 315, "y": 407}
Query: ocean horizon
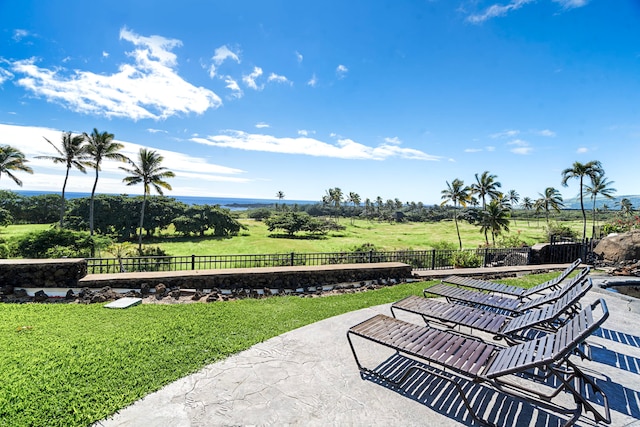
{"x": 234, "y": 203}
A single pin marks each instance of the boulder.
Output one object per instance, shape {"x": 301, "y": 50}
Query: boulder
{"x": 619, "y": 247}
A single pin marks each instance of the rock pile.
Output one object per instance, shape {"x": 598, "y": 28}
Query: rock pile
{"x": 166, "y": 295}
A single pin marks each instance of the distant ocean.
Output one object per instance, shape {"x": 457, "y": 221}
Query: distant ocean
{"x": 225, "y": 202}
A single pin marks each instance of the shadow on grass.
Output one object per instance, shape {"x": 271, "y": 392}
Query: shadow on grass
{"x": 298, "y": 237}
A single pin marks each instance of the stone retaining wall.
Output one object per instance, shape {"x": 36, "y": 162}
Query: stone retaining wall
{"x": 44, "y": 273}
{"x": 253, "y": 278}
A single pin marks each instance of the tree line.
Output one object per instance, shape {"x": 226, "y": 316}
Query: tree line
{"x": 82, "y": 151}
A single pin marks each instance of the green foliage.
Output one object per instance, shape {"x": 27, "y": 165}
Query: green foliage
{"x": 443, "y": 245}
{"x": 557, "y": 230}
{"x": 55, "y": 242}
{"x": 511, "y": 241}
{"x": 295, "y": 222}
{"x": 259, "y": 214}
{"x": 466, "y": 259}
{"x": 5, "y": 218}
{"x": 621, "y": 225}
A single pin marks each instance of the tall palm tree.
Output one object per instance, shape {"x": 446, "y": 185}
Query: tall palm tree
{"x": 456, "y": 193}
{"x": 514, "y": 198}
{"x": 12, "y": 159}
{"x": 150, "y": 173}
{"x": 599, "y": 185}
{"x": 527, "y": 205}
{"x": 355, "y": 199}
{"x": 486, "y": 185}
{"x": 73, "y": 153}
{"x": 494, "y": 219}
{"x": 100, "y": 146}
{"x": 551, "y": 199}
{"x": 280, "y": 196}
{"x": 579, "y": 170}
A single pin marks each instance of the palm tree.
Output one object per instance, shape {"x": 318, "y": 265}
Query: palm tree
{"x": 551, "y": 199}
{"x": 457, "y": 193}
{"x": 599, "y": 185}
{"x": 101, "y": 146}
{"x": 280, "y": 196}
{"x": 12, "y": 159}
{"x": 494, "y": 219}
{"x": 626, "y": 207}
{"x": 527, "y": 205}
{"x": 578, "y": 170}
{"x": 486, "y": 185}
{"x": 514, "y": 198}
{"x": 73, "y": 153}
{"x": 355, "y": 199}
{"x": 150, "y": 173}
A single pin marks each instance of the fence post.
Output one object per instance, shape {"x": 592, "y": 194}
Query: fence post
{"x": 486, "y": 253}
{"x": 433, "y": 259}
{"x": 193, "y": 262}
{"x": 370, "y": 256}
{"x": 293, "y": 255}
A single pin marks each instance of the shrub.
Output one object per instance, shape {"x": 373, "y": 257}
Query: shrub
{"x": 55, "y": 242}
{"x": 557, "y": 230}
{"x": 466, "y": 259}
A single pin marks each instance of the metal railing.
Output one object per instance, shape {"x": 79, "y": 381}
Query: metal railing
{"x": 419, "y": 260}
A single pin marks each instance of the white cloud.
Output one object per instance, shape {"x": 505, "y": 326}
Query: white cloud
{"x": 150, "y": 130}
{"x": 19, "y": 34}
{"x": 313, "y": 81}
{"x": 520, "y": 147}
{"x": 220, "y": 55}
{"x": 299, "y": 57}
{"x": 497, "y": 10}
{"x": 341, "y": 71}
{"x": 48, "y": 176}
{"x": 5, "y": 75}
{"x": 472, "y": 150}
{"x": 148, "y": 88}
{"x": 344, "y": 148}
{"x": 505, "y": 134}
{"x": 582, "y": 150}
{"x": 250, "y": 80}
{"x": 394, "y": 141}
{"x": 546, "y": 132}
{"x": 273, "y": 77}
{"x": 571, "y": 4}
{"x": 105, "y": 54}
{"x": 262, "y": 125}
{"x": 305, "y": 132}
{"x": 236, "y": 92}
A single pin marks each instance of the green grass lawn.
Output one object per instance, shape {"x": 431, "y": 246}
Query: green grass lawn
{"x": 71, "y": 365}
{"x": 385, "y": 236}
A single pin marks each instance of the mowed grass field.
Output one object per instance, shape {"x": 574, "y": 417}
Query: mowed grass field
{"x": 256, "y": 239}
{"x": 384, "y": 236}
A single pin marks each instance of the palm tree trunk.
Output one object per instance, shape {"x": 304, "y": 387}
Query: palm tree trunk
{"x": 455, "y": 219}
{"x": 93, "y": 192}
{"x": 584, "y": 215}
{"x": 144, "y": 201}
{"x": 64, "y": 186}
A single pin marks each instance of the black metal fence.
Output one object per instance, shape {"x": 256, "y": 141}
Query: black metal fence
{"x": 419, "y": 260}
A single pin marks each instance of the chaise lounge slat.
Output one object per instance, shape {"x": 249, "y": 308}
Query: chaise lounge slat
{"x": 511, "y": 305}
{"x": 486, "y": 285}
{"x": 482, "y": 362}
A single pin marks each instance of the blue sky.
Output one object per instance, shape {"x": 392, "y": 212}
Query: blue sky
{"x": 384, "y": 98}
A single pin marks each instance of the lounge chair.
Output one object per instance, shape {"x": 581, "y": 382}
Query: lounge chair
{"x": 493, "y": 366}
{"x": 516, "y": 291}
{"x": 548, "y": 318}
{"x": 505, "y": 304}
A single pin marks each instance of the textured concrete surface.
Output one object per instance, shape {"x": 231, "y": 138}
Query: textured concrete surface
{"x": 308, "y": 377}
